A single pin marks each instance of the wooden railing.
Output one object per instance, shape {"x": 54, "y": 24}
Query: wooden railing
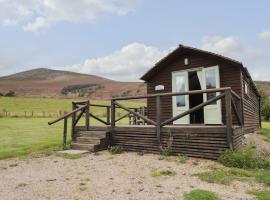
{"x": 83, "y": 108}
{"x": 232, "y": 100}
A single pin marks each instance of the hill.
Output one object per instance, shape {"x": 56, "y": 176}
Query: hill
{"x": 44, "y": 82}
{"x": 265, "y": 85}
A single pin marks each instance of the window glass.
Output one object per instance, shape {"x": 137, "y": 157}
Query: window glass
{"x": 180, "y": 87}
{"x": 210, "y": 77}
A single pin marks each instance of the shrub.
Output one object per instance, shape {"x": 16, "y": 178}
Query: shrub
{"x": 200, "y": 194}
{"x": 246, "y": 158}
{"x": 1, "y": 94}
{"x": 116, "y": 150}
{"x": 10, "y": 94}
{"x": 182, "y": 158}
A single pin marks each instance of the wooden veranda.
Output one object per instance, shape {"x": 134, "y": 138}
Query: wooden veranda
{"x": 145, "y": 134}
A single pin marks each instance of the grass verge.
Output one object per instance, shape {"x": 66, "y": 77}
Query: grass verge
{"x": 201, "y": 195}
{"x": 226, "y": 176}
{"x": 261, "y": 195}
{"x": 265, "y": 131}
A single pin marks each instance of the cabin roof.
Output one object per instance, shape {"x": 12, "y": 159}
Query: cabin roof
{"x": 181, "y": 49}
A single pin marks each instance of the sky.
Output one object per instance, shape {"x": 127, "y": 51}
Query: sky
{"x": 122, "y": 39}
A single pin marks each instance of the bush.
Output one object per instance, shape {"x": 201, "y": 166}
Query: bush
{"x": 10, "y": 94}
{"x": 1, "y": 94}
{"x": 116, "y": 149}
{"x": 246, "y": 158}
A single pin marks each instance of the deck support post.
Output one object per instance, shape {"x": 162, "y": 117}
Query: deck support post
{"x": 228, "y": 104}
{"x": 158, "y": 118}
{"x": 65, "y": 134}
{"x": 87, "y": 115}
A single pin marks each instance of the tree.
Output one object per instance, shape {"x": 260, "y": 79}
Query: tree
{"x": 265, "y": 104}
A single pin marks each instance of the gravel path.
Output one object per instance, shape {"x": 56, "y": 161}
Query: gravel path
{"x": 125, "y": 176}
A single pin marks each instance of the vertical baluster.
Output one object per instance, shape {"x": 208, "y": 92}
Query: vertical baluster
{"x": 158, "y": 120}
{"x": 87, "y": 115}
{"x": 65, "y": 134}
{"x": 228, "y": 104}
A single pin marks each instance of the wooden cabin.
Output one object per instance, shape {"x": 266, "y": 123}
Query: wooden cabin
{"x": 198, "y": 103}
{"x": 187, "y": 69}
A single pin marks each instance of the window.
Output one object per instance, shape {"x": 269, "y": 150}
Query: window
{"x": 180, "y": 87}
{"x": 210, "y": 77}
{"x": 246, "y": 88}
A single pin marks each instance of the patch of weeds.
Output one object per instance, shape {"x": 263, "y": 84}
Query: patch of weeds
{"x": 246, "y": 158}
{"x": 82, "y": 183}
{"x": 195, "y": 163}
{"x": 166, "y": 151}
{"x": 217, "y": 176}
{"x": 21, "y": 185}
{"x": 157, "y": 173}
{"x": 116, "y": 150}
{"x": 261, "y": 195}
{"x": 182, "y": 158}
{"x": 226, "y": 176}
{"x": 72, "y": 156}
{"x": 201, "y": 195}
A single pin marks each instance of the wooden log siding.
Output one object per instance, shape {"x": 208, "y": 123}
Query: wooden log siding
{"x": 195, "y": 141}
{"x": 238, "y": 137}
{"x": 229, "y": 77}
{"x": 250, "y": 108}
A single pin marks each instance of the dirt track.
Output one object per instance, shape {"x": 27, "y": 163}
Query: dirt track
{"x": 106, "y": 176}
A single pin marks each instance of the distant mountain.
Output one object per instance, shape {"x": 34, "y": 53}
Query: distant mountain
{"x": 44, "y": 82}
{"x": 265, "y": 85}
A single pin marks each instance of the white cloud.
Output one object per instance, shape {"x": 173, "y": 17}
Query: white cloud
{"x": 231, "y": 46}
{"x": 34, "y": 15}
{"x": 223, "y": 45}
{"x": 128, "y": 64}
{"x": 265, "y": 35}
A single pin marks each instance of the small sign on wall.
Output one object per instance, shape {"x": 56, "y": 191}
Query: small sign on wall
{"x": 159, "y": 87}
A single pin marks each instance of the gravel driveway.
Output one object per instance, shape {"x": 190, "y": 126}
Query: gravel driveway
{"x": 104, "y": 176}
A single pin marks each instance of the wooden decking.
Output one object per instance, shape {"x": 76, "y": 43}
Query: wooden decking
{"x": 195, "y": 141}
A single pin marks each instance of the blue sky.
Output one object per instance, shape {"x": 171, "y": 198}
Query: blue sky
{"x": 121, "y": 39}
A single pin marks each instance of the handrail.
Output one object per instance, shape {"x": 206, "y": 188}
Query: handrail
{"x": 193, "y": 109}
{"x": 66, "y": 115}
{"x": 173, "y": 94}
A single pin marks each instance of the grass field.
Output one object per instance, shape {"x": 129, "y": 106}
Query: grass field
{"x": 23, "y": 135}
{"x": 19, "y": 107}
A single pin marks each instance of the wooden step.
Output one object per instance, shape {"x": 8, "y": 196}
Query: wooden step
{"x": 81, "y": 146}
{"x": 89, "y": 140}
{"x": 99, "y": 134}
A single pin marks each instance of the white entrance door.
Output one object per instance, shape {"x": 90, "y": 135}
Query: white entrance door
{"x": 180, "y": 103}
{"x": 211, "y": 80}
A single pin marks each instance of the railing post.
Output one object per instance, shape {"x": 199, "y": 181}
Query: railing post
{"x": 112, "y": 118}
{"x": 73, "y": 122}
{"x": 158, "y": 120}
{"x": 65, "y": 134}
{"x": 87, "y": 115}
{"x": 108, "y": 115}
{"x": 228, "y": 105}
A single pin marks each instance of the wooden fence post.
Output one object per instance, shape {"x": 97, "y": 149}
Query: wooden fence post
{"x": 73, "y": 122}
{"x": 112, "y": 119}
{"x": 65, "y": 134}
{"x": 108, "y": 114}
{"x": 87, "y": 116}
{"x": 158, "y": 118}
{"x": 228, "y": 105}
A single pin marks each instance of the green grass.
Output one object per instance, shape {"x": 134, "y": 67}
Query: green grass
{"x": 201, "y": 195}
{"x": 265, "y": 131}
{"x": 247, "y": 158}
{"x": 17, "y": 106}
{"x": 72, "y": 156}
{"x": 157, "y": 173}
{"x": 261, "y": 195}
{"x": 226, "y": 176}
{"x": 21, "y": 136}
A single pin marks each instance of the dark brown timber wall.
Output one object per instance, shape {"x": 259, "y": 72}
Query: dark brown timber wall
{"x": 251, "y": 107}
{"x": 230, "y": 76}
{"x": 201, "y": 141}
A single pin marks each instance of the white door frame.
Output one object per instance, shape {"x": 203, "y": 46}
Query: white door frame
{"x": 212, "y": 112}
{"x": 180, "y": 109}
